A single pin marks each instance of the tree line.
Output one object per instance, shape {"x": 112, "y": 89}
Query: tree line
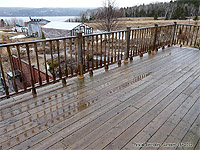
{"x": 180, "y": 9}
{"x": 107, "y": 16}
{"x": 177, "y": 9}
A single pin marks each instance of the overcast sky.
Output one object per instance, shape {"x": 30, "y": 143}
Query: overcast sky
{"x": 70, "y": 3}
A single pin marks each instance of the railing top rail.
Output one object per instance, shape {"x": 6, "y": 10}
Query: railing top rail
{"x": 36, "y": 41}
{"x": 189, "y": 25}
{"x": 151, "y": 27}
{"x": 166, "y": 25}
{"x": 142, "y": 28}
{"x": 125, "y": 30}
{"x": 106, "y": 32}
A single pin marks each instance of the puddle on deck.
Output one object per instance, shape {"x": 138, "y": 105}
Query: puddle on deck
{"x": 127, "y": 84}
{"x": 166, "y": 55}
{"x": 49, "y": 111}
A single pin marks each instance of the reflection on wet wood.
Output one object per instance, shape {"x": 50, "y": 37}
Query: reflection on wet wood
{"x": 153, "y": 99}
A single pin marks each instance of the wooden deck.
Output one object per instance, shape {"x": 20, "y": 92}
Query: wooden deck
{"x": 153, "y": 100}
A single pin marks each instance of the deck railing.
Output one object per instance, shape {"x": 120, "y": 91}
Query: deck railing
{"x": 61, "y": 58}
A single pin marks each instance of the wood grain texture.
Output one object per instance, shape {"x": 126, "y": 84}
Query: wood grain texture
{"x": 153, "y": 99}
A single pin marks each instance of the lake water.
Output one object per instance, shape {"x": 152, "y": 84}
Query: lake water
{"x": 50, "y": 18}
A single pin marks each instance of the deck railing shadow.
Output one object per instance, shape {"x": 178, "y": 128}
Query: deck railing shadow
{"x": 33, "y": 64}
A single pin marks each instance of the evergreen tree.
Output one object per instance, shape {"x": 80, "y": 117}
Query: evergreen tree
{"x": 156, "y": 16}
{"x": 196, "y": 17}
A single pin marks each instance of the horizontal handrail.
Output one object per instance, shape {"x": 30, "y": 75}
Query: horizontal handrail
{"x": 36, "y": 41}
{"x": 188, "y": 25}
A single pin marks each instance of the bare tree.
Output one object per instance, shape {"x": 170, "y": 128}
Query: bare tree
{"x": 108, "y": 15}
{"x": 14, "y": 21}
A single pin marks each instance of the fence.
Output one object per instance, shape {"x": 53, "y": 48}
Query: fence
{"x": 63, "y": 58}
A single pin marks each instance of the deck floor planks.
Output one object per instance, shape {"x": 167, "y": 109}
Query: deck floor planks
{"x": 58, "y": 137}
{"x": 86, "y": 89}
{"x": 95, "y": 79}
{"x": 109, "y": 135}
{"x": 159, "y": 54}
{"x": 166, "y": 129}
{"x": 174, "y": 122}
{"x": 152, "y": 128}
{"x": 154, "y": 77}
{"x": 185, "y": 124}
{"x": 192, "y": 135}
{"x": 147, "y": 132}
{"x": 182, "y": 128}
{"x": 86, "y": 142}
{"x": 57, "y": 146}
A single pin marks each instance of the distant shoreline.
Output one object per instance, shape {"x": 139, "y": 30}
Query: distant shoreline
{"x": 50, "y": 18}
{"x": 40, "y": 12}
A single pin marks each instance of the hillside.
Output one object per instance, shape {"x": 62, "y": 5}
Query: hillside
{"x": 20, "y": 11}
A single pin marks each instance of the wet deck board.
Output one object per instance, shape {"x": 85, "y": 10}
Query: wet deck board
{"x": 154, "y": 99}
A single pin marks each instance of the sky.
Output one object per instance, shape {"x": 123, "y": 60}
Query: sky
{"x": 71, "y": 3}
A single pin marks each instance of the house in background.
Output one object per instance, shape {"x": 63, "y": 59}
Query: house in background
{"x": 34, "y": 26}
{"x": 20, "y": 28}
{"x": 65, "y": 29}
{"x": 40, "y": 21}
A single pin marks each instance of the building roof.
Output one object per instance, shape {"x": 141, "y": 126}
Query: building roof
{"x": 38, "y": 20}
{"x": 18, "y": 25}
{"x": 62, "y": 25}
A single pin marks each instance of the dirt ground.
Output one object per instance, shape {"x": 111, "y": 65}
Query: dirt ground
{"x": 145, "y": 22}
{"x": 6, "y": 34}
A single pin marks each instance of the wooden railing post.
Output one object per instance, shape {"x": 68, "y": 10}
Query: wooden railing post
{"x": 12, "y": 69}
{"x": 196, "y": 37}
{"x": 128, "y": 32}
{"x": 31, "y": 72}
{"x": 80, "y": 56}
{"x": 4, "y": 79}
{"x": 173, "y": 34}
{"x": 155, "y": 37}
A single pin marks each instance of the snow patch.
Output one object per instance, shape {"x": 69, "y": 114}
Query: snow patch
{"x": 18, "y": 37}
{"x": 61, "y": 25}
